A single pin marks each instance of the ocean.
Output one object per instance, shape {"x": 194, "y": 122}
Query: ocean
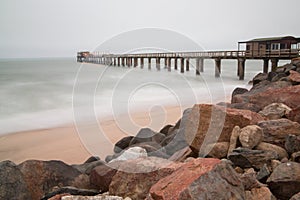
{"x": 45, "y": 93}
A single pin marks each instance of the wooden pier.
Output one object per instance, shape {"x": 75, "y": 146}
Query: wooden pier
{"x": 268, "y": 49}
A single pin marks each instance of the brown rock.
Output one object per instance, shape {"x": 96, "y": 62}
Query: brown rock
{"x": 233, "y": 139}
{"x": 281, "y": 152}
{"x": 12, "y": 183}
{"x": 238, "y": 90}
{"x": 101, "y": 176}
{"x": 250, "y": 136}
{"x": 294, "y": 115}
{"x": 259, "y": 78}
{"x": 284, "y": 182}
{"x": 294, "y": 77}
{"x": 202, "y": 178}
{"x": 275, "y": 111}
{"x": 275, "y": 131}
{"x": 218, "y": 150}
{"x": 262, "y": 193}
{"x": 249, "y": 179}
{"x": 209, "y": 124}
{"x": 135, "y": 177}
{"x": 42, "y": 176}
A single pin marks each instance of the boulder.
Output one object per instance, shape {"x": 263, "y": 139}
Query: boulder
{"x": 259, "y": 78}
{"x": 135, "y": 177}
{"x": 42, "y": 176}
{"x": 263, "y": 173}
{"x": 92, "y": 159}
{"x": 87, "y": 167}
{"x": 131, "y": 154}
{"x": 65, "y": 191}
{"x": 245, "y": 106}
{"x": 101, "y": 176}
{"x": 275, "y": 131}
{"x": 294, "y": 77}
{"x": 296, "y": 197}
{"x": 218, "y": 150}
{"x": 275, "y": 92}
{"x": 122, "y": 144}
{"x": 209, "y": 124}
{"x": 294, "y": 115}
{"x": 292, "y": 143}
{"x": 262, "y": 193}
{"x": 281, "y": 152}
{"x": 275, "y": 111}
{"x": 238, "y": 90}
{"x": 98, "y": 197}
{"x": 12, "y": 183}
{"x": 233, "y": 139}
{"x": 202, "y": 178}
{"x": 284, "y": 182}
{"x": 147, "y": 135}
{"x": 296, "y": 157}
{"x": 246, "y": 158}
{"x": 249, "y": 180}
{"x": 250, "y": 136}
{"x": 296, "y": 62}
{"x": 181, "y": 155}
{"x": 165, "y": 129}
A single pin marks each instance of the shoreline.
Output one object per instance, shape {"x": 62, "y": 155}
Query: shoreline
{"x": 66, "y": 144}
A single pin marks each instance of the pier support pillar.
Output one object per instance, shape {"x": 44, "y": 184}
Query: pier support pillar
{"x": 169, "y": 64}
{"x": 158, "y": 63}
{"x": 197, "y": 66}
{"x": 241, "y": 68}
{"x": 115, "y": 62}
{"x": 142, "y": 62}
{"x": 175, "y": 63}
{"x": 217, "y": 67}
{"x": 274, "y": 62}
{"x": 118, "y": 61}
{"x": 266, "y": 65}
{"x": 187, "y": 64}
{"x": 166, "y": 62}
{"x": 182, "y": 65}
{"x": 135, "y": 62}
{"x": 149, "y": 63}
{"x": 123, "y": 62}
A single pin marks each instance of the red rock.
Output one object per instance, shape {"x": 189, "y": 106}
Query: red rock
{"x": 294, "y": 77}
{"x": 284, "y": 182}
{"x": 214, "y": 124}
{"x": 202, "y": 178}
{"x": 277, "y": 92}
{"x": 135, "y": 177}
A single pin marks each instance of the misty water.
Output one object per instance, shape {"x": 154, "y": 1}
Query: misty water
{"x": 43, "y": 93}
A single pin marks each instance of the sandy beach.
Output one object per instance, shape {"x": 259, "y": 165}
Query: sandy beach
{"x": 66, "y": 143}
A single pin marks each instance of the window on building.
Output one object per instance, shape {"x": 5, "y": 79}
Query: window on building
{"x": 275, "y": 46}
{"x": 283, "y": 46}
{"x": 293, "y": 46}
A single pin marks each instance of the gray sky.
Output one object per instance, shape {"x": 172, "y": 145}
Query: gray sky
{"x": 60, "y": 28}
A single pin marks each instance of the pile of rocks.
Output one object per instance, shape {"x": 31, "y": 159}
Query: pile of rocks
{"x": 246, "y": 149}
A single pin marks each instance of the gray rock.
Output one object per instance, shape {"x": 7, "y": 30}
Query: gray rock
{"x": 259, "y": 78}
{"x": 71, "y": 191}
{"x": 247, "y": 158}
{"x": 263, "y": 173}
{"x": 147, "y": 135}
{"x": 284, "y": 182}
{"x": 122, "y": 144}
{"x": 86, "y": 168}
{"x": 12, "y": 184}
{"x": 238, "y": 90}
{"x": 292, "y": 143}
{"x": 92, "y": 159}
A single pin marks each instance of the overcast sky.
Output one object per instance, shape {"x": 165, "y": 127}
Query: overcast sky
{"x": 60, "y": 28}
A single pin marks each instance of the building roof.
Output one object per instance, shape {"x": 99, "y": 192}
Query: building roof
{"x": 272, "y": 39}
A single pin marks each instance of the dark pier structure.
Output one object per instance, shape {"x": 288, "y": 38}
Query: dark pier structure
{"x": 266, "y": 49}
